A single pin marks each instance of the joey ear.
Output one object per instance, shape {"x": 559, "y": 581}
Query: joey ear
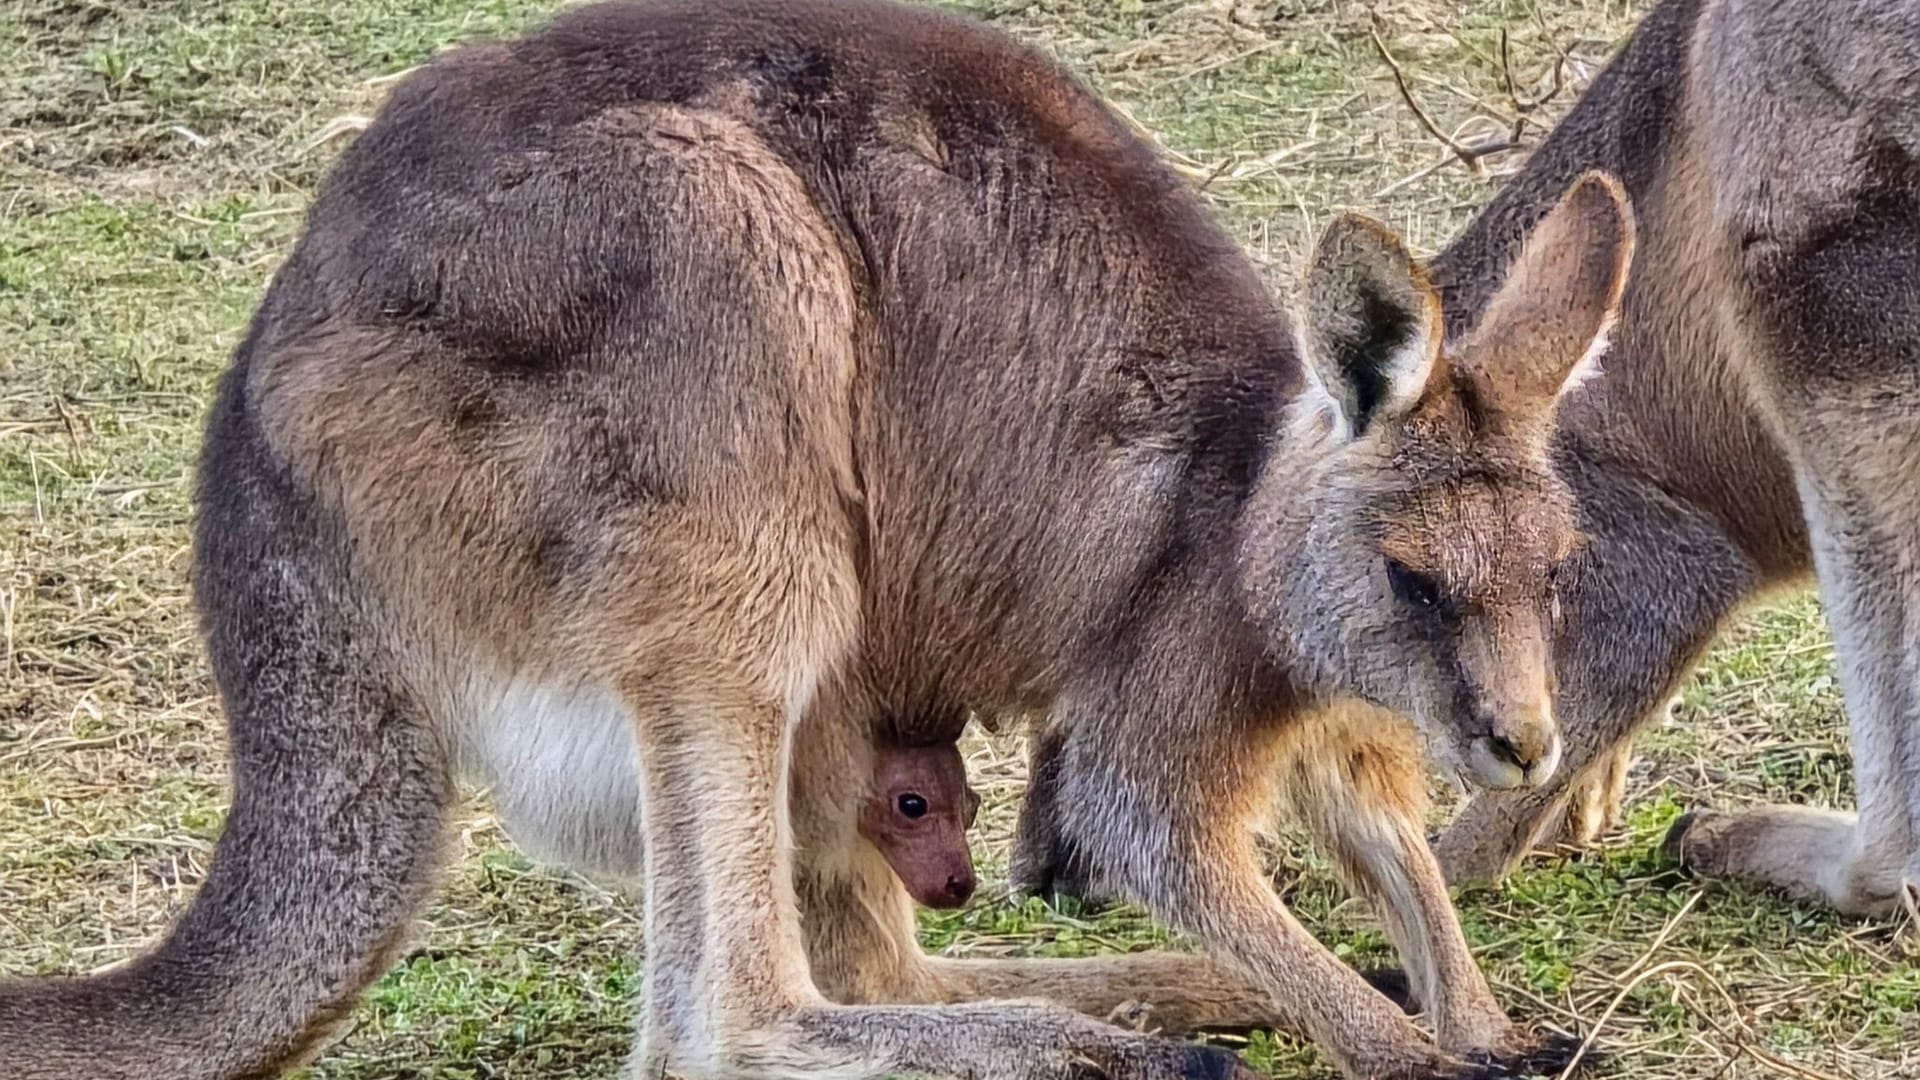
{"x": 1368, "y": 322}
{"x": 1546, "y": 328}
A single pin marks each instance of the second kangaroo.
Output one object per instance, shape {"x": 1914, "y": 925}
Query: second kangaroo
{"x": 654, "y": 403}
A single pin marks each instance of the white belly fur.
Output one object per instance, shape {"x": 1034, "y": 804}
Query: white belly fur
{"x": 562, "y": 768}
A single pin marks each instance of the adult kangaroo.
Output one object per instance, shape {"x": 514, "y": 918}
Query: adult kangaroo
{"x": 653, "y": 403}
{"x": 1758, "y": 420}
{"x": 1758, "y": 415}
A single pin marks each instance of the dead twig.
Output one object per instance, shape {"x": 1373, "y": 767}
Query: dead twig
{"x": 1470, "y": 154}
{"x": 1524, "y": 109}
{"x": 1741, "y": 1037}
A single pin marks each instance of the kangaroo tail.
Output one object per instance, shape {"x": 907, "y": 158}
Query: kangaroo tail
{"x": 338, "y": 818}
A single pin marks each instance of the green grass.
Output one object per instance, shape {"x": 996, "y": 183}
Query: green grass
{"x": 154, "y": 158}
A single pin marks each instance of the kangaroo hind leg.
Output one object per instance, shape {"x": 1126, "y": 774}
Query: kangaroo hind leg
{"x": 1835, "y": 315}
{"x": 1867, "y": 552}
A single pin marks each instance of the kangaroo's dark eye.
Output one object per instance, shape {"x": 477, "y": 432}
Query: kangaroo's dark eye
{"x": 1411, "y": 586}
{"x": 912, "y": 806}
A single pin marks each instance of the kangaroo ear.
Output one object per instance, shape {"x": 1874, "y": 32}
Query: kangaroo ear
{"x": 1546, "y": 328}
{"x": 1368, "y": 322}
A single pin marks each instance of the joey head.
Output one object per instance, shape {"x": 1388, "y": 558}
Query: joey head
{"x": 918, "y": 815}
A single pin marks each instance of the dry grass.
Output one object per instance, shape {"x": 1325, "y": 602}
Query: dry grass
{"x": 154, "y": 158}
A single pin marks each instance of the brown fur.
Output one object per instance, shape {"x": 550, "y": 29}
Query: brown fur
{"x": 656, "y": 403}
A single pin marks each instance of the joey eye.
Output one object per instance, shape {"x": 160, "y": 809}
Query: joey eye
{"x": 913, "y": 807}
{"x": 1411, "y": 586}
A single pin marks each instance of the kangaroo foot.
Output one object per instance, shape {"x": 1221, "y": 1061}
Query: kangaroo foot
{"x": 1692, "y": 851}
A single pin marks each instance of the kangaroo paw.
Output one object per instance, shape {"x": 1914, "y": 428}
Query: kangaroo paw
{"x": 1550, "y": 1055}
{"x": 1475, "y": 1066}
{"x": 1545, "y": 1056}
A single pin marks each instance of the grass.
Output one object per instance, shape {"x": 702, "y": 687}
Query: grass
{"x": 154, "y": 159}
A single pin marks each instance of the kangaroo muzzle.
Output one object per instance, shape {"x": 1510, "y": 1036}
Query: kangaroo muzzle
{"x": 1518, "y": 751}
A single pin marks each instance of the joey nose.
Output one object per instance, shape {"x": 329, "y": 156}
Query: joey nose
{"x": 959, "y": 889}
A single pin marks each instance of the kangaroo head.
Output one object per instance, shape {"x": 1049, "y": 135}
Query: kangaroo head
{"x": 1403, "y": 543}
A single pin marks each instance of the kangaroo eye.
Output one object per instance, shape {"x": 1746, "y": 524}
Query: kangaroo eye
{"x": 913, "y": 807}
{"x": 1412, "y": 587}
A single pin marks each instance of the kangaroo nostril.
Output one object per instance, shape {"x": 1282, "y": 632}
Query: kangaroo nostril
{"x": 959, "y": 888}
{"x": 1504, "y": 749}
